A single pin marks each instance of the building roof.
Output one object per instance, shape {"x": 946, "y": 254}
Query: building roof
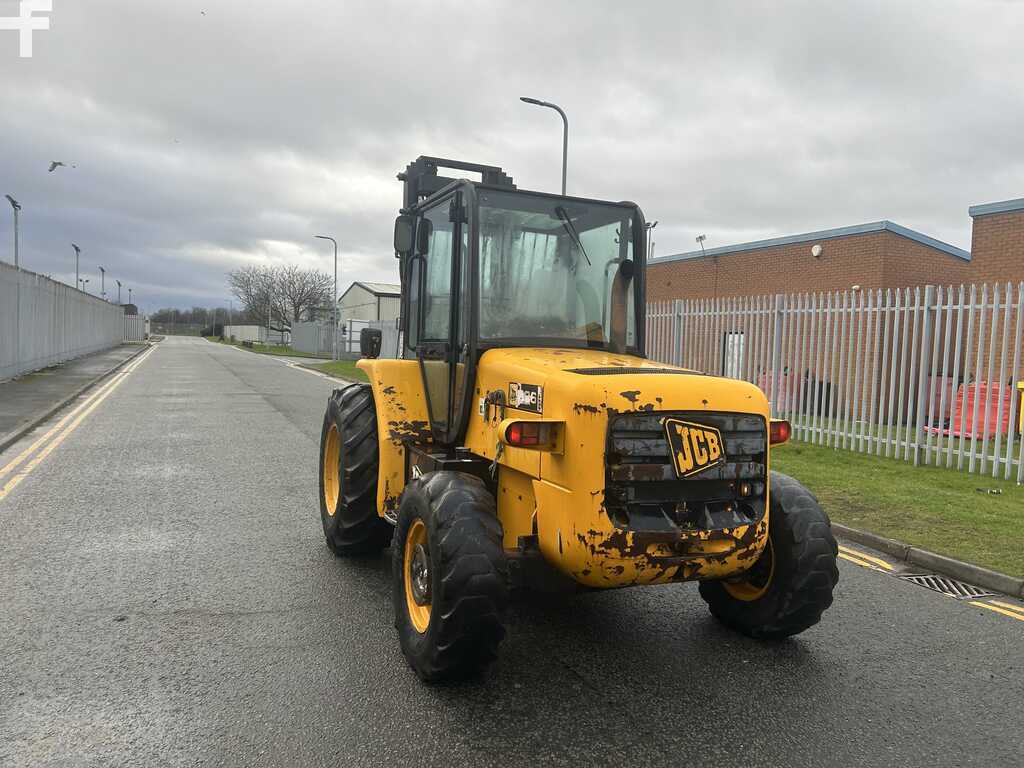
{"x": 824, "y": 234}
{"x": 1004, "y": 206}
{"x": 382, "y": 289}
{"x": 377, "y": 289}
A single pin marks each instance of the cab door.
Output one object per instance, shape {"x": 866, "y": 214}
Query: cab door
{"x": 437, "y": 324}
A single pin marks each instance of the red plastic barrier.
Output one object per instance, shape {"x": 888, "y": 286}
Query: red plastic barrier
{"x": 987, "y": 395}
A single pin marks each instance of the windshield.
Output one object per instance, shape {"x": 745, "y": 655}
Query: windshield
{"x": 547, "y": 266}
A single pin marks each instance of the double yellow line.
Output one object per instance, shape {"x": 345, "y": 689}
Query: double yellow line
{"x": 864, "y": 560}
{"x": 1013, "y": 610}
{"x": 999, "y": 606}
{"x": 56, "y": 435}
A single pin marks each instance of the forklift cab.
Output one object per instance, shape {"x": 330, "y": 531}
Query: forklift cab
{"x": 486, "y": 265}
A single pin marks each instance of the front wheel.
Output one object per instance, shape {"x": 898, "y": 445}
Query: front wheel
{"x": 450, "y": 582}
{"x": 348, "y": 474}
{"x": 790, "y": 585}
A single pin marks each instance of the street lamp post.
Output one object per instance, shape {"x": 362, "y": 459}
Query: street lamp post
{"x": 17, "y": 207}
{"x": 129, "y": 295}
{"x": 118, "y": 292}
{"x": 650, "y": 242}
{"x": 565, "y": 130}
{"x": 334, "y": 313}
{"x": 78, "y": 253}
{"x": 85, "y": 283}
{"x": 103, "y": 283}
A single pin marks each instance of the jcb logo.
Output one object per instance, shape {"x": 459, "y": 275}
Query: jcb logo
{"x": 695, "y": 447}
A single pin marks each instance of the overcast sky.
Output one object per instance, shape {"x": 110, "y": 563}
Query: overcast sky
{"x": 205, "y": 142}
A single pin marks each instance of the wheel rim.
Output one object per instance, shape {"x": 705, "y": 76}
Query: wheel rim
{"x": 755, "y": 582}
{"x": 332, "y": 478}
{"x": 416, "y": 574}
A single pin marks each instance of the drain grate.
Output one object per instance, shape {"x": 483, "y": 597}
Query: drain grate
{"x": 948, "y": 586}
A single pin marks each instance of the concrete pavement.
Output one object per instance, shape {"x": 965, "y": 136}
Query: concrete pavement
{"x": 33, "y": 396}
{"x": 167, "y": 599}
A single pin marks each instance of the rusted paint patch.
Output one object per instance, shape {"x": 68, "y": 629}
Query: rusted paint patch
{"x": 415, "y": 431}
{"x": 579, "y": 408}
{"x": 631, "y": 394}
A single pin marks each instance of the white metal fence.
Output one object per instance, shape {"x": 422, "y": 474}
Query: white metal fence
{"x": 313, "y": 338}
{"x": 136, "y": 328}
{"x": 43, "y": 322}
{"x": 316, "y": 338}
{"x": 928, "y": 374}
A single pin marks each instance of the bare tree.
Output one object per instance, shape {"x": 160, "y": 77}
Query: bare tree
{"x": 282, "y": 295}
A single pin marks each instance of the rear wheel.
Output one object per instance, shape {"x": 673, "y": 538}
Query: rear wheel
{"x": 450, "y": 582}
{"x": 348, "y": 474}
{"x": 790, "y": 585}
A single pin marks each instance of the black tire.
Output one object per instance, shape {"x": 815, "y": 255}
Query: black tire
{"x": 468, "y": 576}
{"x": 797, "y": 586}
{"x": 348, "y": 486}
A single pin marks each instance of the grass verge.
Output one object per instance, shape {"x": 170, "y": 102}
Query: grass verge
{"x": 267, "y": 349}
{"x": 952, "y": 513}
{"x": 346, "y": 369}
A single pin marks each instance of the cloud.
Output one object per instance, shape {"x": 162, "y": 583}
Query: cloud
{"x": 205, "y": 142}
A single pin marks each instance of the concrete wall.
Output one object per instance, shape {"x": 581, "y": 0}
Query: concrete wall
{"x": 43, "y": 322}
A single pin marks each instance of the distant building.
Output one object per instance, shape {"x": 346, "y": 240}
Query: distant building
{"x": 370, "y": 301}
{"x": 881, "y": 254}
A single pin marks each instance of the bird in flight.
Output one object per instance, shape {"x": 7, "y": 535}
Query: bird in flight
{"x": 55, "y": 164}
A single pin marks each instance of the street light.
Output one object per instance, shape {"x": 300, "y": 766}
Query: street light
{"x": 700, "y": 242}
{"x": 85, "y": 282}
{"x": 650, "y": 243}
{"x": 565, "y": 130}
{"x": 17, "y": 207}
{"x": 103, "y": 283}
{"x": 334, "y": 314}
{"x": 130, "y": 296}
{"x": 118, "y": 292}
{"x": 78, "y": 252}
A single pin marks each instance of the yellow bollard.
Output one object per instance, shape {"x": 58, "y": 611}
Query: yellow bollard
{"x": 1020, "y": 420}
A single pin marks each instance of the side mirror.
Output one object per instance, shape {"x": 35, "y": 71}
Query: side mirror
{"x": 405, "y": 226}
{"x": 423, "y": 232}
{"x": 369, "y": 342}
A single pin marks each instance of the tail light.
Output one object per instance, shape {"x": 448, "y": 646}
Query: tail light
{"x": 779, "y": 431}
{"x": 541, "y": 435}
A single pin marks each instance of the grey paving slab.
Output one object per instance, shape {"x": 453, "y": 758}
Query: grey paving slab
{"x": 27, "y": 398}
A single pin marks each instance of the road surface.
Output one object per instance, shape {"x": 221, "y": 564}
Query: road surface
{"x": 167, "y": 599}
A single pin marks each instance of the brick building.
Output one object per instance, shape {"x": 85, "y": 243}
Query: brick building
{"x": 876, "y": 255}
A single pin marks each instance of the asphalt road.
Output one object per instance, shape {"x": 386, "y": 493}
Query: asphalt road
{"x": 166, "y": 598}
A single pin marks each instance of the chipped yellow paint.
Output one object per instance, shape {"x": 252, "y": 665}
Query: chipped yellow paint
{"x": 401, "y": 413}
{"x": 559, "y": 496}
{"x": 574, "y": 532}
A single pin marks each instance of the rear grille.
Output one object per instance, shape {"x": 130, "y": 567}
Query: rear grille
{"x": 642, "y": 491}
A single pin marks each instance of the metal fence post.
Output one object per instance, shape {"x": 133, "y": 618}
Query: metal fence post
{"x": 677, "y": 334}
{"x": 927, "y": 329}
{"x": 776, "y": 374}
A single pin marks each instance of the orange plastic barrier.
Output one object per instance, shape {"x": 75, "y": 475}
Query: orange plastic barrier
{"x": 988, "y": 396}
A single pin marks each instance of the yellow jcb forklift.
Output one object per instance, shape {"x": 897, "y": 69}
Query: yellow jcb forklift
{"x": 522, "y": 438}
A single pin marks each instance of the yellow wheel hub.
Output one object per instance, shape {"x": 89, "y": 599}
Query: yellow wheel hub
{"x": 416, "y": 570}
{"x": 332, "y": 479}
{"x": 754, "y": 583}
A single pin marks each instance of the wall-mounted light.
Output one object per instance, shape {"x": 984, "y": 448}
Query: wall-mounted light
{"x": 817, "y": 250}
